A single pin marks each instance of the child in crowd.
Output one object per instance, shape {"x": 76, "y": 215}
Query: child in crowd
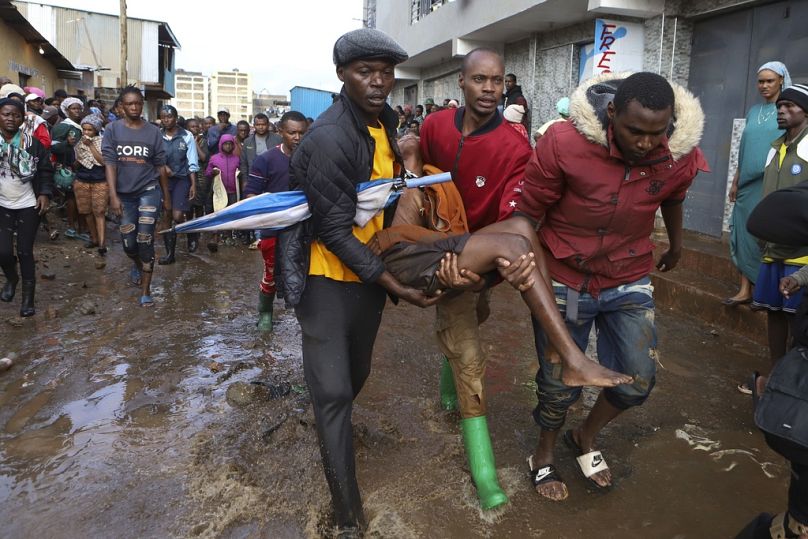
{"x": 225, "y": 163}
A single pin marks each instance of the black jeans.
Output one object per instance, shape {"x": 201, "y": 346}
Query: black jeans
{"x": 339, "y": 322}
{"x": 26, "y": 223}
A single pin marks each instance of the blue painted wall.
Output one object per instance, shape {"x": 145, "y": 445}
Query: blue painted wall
{"x": 309, "y": 101}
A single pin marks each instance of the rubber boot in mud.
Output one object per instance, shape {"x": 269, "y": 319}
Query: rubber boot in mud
{"x": 481, "y": 462}
{"x": 12, "y": 278}
{"x": 193, "y": 242}
{"x": 265, "y": 312}
{"x": 27, "y": 306}
{"x": 170, "y": 240}
{"x": 448, "y": 393}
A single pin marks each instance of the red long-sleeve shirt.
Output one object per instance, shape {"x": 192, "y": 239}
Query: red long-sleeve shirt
{"x": 487, "y": 166}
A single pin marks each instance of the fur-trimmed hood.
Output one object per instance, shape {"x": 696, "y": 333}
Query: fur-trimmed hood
{"x": 588, "y": 112}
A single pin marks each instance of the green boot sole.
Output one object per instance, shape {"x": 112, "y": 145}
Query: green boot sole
{"x": 481, "y": 462}
{"x": 448, "y": 393}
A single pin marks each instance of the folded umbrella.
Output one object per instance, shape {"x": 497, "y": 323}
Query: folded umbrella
{"x": 276, "y": 211}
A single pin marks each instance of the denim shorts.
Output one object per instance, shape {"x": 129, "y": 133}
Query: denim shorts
{"x": 623, "y": 318}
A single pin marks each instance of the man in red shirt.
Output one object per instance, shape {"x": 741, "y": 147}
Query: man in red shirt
{"x": 595, "y": 184}
{"x": 487, "y": 159}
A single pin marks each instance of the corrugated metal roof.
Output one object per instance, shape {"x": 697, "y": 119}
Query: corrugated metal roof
{"x": 14, "y": 18}
{"x": 92, "y": 40}
{"x": 167, "y": 36}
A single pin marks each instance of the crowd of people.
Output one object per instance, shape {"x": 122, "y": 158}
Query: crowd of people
{"x": 65, "y": 157}
{"x": 564, "y": 218}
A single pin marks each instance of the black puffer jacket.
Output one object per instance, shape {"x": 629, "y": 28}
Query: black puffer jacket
{"x": 335, "y": 155}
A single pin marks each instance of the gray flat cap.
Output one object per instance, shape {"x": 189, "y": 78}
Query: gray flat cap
{"x": 367, "y": 43}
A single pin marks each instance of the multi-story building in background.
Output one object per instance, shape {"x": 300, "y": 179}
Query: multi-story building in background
{"x": 191, "y": 94}
{"x": 232, "y": 90}
{"x": 712, "y": 47}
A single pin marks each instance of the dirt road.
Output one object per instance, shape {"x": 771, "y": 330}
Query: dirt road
{"x": 120, "y": 421}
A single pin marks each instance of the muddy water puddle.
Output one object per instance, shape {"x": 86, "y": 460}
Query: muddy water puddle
{"x": 138, "y": 422}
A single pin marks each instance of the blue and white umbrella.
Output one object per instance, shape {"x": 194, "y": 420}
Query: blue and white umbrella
{"x": 276, "y": 211}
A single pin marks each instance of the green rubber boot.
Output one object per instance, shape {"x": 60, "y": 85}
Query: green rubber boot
{"x": 481, "y": 462}
{"x": 448, "y": 393}
{"x": 265, "y": 312}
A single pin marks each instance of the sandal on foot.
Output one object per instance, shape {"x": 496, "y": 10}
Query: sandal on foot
{"x": 588, "y": 463}
{"x": 135, "y": 276}
{"x": 744, "y": 388}
{"x": 546, "y": 474}
{"x": 146, "y": 301}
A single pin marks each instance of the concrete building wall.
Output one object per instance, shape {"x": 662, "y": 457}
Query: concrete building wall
{"x": 23, "y": 64}
{"x": 233, "y": 90}
{"x": 192, "y": 94}
{"x": 546, "y": 63}
{"x": 452, "y": 19}
{"x": 437, "y": 82}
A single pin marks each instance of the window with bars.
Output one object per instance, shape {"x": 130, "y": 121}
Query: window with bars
{"x": 421, "y": 8}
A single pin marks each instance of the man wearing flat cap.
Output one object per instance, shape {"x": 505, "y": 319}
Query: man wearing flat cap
{"x": 335, "y": 282}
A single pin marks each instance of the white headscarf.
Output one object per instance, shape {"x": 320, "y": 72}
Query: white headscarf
{"x": 70, "y": 101}
{"x": 780, "y": 69}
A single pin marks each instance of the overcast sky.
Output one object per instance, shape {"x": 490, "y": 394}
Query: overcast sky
{"x": 281, "y": 43}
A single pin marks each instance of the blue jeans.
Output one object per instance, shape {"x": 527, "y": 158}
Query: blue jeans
{"x": 140, "y": 214}
{"x": 626, "y": 342}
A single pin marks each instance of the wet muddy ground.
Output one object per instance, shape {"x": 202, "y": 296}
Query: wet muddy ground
{"x": 120, "y": 421}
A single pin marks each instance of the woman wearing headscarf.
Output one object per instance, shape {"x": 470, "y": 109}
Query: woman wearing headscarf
{"x": 26, "y": 183}
{"x": 90, "y": 186}
{"x": 65, "y": 136}
{"x": 747, "y": 185}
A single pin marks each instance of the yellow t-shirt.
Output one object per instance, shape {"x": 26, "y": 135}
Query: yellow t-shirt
{"x": 326, "y": 263}
{"x": 782, "y": 155}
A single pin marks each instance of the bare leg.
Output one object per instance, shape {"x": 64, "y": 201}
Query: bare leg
{"x": 101, "y": 229}
{"x": 87, "y": 219}
{"x": 777, "y": 322}
{"x": 745, "y": 291}
{"x": 480, "y": 254}
{"x": 146, "y": 279}
{"x": 600, "y": 416}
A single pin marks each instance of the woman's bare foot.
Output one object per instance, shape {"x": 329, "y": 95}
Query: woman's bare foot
{"x": 579, "y": 371}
